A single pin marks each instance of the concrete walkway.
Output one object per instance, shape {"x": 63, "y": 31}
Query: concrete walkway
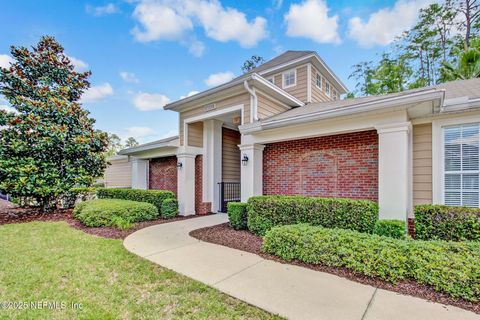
{"x": 286, "y": 290}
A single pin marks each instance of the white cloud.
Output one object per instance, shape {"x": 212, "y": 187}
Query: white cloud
{"x": 191, "y": 93}
{"x": 5, "y": 61}
{"x": 79, "y": 65}
{"x": 150, "y": 101}
{"x": 196, "y": 48}
{"x": 8, "y": 108}
{"x": 129, "y": 77}
{"x": 172, "y": 19}
{"x": 109, "y": 8}
{"x": 217, "y": 79}
{"x": 139, "y": 132}
{"x": 384, "y": 25}
{"x": 96, "y": 93}
{"x": 310, "y": 19}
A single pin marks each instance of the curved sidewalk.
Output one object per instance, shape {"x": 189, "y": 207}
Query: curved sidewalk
{"x": 290, "y": 291}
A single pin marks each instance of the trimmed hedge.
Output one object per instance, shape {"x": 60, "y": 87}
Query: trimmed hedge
{"x": 265, "y": 212}
{"x": 113, "y": 212}
{"x": 169, "y": 208}
{"x": 155, "y": 197}
{"x": 237, "y": 215}
{"x": 437, "y": 222}
{"x": 390, "y": 228}
{"x": 450, "y": 267}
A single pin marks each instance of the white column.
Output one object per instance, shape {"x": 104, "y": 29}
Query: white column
{"x": 186, "y": 184}
{"x": 394, "y": 162}
{"x": 252, "y": 171}
{"x": 212, "y": 161}
{"x": 139, "y": 173}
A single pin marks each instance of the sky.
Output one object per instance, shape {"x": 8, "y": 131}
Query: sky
{"x": 146, "y": 53}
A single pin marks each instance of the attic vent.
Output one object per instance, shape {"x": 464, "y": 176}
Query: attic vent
{"x": 209, "y": 107}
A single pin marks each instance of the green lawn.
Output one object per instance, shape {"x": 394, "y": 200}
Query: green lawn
{"x": 50, "y": 261}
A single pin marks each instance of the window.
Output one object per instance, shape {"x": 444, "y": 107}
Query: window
{"x": 461, "y": 165}
{"x": 335, "y": 96}
{"x": 327, "y": 88}
{"x": 289, "y": 78}
{"x": 270, "y": 79}
{"x": 319, "y": 81}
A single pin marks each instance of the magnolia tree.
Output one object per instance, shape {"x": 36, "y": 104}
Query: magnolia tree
{"x": 48, "y": 143}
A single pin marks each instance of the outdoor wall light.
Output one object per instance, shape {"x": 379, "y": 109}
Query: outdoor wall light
{"x": 179, "y": 165}
{"x": 244, "y": 160}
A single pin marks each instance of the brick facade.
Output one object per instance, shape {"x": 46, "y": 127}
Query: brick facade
{"x": 343, "y": 166}
{"x": 162, "y": 174}
{"x": 200, "y": 207}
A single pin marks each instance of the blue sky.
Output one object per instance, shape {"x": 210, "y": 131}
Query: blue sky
{"x": 145, "y": 53}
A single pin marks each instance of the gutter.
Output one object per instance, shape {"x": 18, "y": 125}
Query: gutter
{"x": 254, "y": 101}
{"x": 347, "y": 110}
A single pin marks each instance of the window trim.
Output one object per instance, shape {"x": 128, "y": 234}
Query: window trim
{"x": 438, "y": 148}
{"x": 321, "y": 80}
{"x": 283, "y": 78}
{"x": 329, "y": 93}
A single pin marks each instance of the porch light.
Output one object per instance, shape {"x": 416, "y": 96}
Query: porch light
{"x": 244, "y": 160}
{"x": 179, "y": 165}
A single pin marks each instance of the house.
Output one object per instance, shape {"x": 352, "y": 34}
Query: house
{"x": 282, "y": 129}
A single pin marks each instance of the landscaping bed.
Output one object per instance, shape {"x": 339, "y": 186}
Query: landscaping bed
{"x": 244, "y": 240}
{"x": 10, "y": 214}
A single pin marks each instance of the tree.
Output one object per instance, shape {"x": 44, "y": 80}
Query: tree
{"x": 49, "y": 145}
{"x": 252, "y": 63}
{"x": 131, "y": 142}
{"x": 470, "y": 12}
{"x": 467, "y": 66}
{"x": 114, "y": 144}
{"x": 387, "y": 76}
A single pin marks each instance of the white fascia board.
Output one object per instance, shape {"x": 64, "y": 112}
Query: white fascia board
{"x": 352, "y": 110}
{"x": 149, "y": 147}
{"x": 276, "y": 92}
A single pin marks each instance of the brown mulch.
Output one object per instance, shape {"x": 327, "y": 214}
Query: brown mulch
{"x": 225, "y": 235}
{"x": 12, "y": 214}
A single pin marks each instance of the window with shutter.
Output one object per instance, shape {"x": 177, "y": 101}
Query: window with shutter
{"x": 461, "y": 165}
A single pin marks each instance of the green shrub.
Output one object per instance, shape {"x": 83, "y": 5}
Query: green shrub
{"x": 155, "y": 197}
{"x": 390, "y": 228}
{"x": 169, "y": 208}
{"x": 237, "y": 215}
{"x": 113, "y": 212}
{"x": 450, "y": 267}
{"x": 437, "y": 222}
{"x": 265, "y": 212}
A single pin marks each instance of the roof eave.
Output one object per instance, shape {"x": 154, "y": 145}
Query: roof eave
{"x": 355, "y": 109}
{"x": 174, "y": 143}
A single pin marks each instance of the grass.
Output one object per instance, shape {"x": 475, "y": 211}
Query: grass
{"x": 52, "y": 262}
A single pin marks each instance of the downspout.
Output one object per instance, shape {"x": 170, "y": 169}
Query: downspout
{"x": 254, "y": 100}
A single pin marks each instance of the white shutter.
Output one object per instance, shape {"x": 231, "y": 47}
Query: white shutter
{"x": 461, "y": 158}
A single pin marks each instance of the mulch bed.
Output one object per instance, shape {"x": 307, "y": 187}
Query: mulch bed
{"x": 11, "y": 214}
{"x": 225, "y": 235}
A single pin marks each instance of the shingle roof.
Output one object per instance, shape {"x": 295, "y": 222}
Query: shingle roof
{"x": 455, "y": 89}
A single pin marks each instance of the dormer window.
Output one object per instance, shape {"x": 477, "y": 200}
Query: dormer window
{"x": 289, "y": 78}
{"x": 335, "y": 94}
{"x": 319, "y": 81}
{"x": 327, "y": 88}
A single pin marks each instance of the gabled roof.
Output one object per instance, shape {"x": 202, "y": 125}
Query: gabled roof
{"x": 279, "y": 62}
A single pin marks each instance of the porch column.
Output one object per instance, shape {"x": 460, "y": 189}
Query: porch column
{"x": 251, "y": 171}
{"x": 212, "y": 162}
{"x": 186, "y": 183}
{"x": 139, "y": 173}
{"x": 394, "y": 170}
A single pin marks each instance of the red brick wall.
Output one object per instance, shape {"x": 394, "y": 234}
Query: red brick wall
{"x": 163, "y": 174}
{"x": 343, "y": 166}
{"x": 200, "y": 207}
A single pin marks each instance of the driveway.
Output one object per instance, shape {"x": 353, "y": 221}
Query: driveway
{"x": 290, "y": 291}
